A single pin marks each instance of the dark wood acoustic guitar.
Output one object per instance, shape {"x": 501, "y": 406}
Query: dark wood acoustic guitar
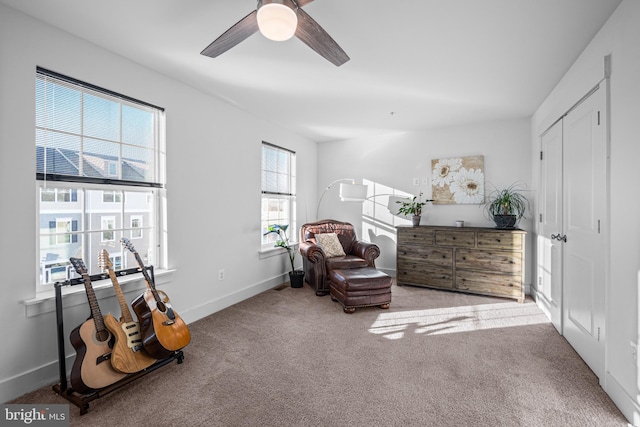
{"x": 128, "y": 354}
{"x": 163, "y": 330}
{"x": 93, "y": 342}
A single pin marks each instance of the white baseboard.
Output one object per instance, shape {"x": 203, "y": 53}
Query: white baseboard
{"x": 212, "y": 306}
{"x": 388, "y": 271}
{"x": 25, "y": 382}
{"x": 626, "y": 403}
{"x": 48, "y": 374}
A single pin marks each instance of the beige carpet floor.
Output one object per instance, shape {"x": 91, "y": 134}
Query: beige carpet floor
{"x": 435, "y": 358}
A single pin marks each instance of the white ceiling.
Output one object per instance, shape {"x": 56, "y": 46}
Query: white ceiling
{"x": 415, "y": 64}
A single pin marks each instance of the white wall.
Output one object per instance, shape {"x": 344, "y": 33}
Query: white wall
{"x": 213, "y": 188}
{"x": 619, "y": 38}
{"x": 392, "y": 161}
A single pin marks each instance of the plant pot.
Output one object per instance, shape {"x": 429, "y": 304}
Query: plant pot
{"x": 415, "y": 220}
{"x": 505, "y": 221}
{"x": 296, "y": 278}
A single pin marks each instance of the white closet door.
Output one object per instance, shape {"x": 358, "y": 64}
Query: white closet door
{"x": 585, "y": 199}
{"x": 549, "y": 250}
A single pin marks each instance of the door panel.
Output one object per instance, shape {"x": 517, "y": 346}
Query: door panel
{"x": 584, "y": 141}
{"x": 550, "y": 211}
{"x": 579, "y": 287}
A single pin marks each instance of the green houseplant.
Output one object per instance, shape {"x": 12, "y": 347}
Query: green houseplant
{"x": 506, "y": 207}
{"x": 413, "y": 208}
{"x": 282, "y": 241}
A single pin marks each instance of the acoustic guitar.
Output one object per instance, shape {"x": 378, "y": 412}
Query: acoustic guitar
{"x": 163, "y": 330}
{"x": 128, "y": 354}
{"x": 93, "y": 342}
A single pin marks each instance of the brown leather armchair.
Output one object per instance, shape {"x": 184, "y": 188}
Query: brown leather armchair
{"x": 316, "y": 265}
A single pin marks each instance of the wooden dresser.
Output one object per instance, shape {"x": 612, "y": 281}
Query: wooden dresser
{"x": 484, "y": 261}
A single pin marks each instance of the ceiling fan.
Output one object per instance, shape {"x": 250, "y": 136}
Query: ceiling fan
{"x": 280, "y": 20}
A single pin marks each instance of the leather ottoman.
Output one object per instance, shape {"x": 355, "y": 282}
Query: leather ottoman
{"x": 360, "y": 287}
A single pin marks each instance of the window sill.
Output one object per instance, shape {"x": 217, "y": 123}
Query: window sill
{"x": 45, "y": 302}
{"x": 274, "y": 251}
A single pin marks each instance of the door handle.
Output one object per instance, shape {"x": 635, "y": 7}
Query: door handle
{"x": 560, "y": 237}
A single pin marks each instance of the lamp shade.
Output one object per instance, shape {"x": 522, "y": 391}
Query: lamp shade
{"x": 277, "y": 21}
{"x": 353, "y": 192}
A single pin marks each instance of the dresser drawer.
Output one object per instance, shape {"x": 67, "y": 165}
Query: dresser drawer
{"x": 493, "y": 261}
{"x": 425, "y": 275}
{"x": 505, "y": 285}
{"x": 465, "y": 239}
{"x": 426, "y": 254}
{"x": 500, "y": 240}
{"x": 417, "y": 235}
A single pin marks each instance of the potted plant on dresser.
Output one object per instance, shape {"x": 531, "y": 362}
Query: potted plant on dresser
{"x": 413, "y": 208}
{"x": 507, "y": 207}
{"x": 296, "y": 277}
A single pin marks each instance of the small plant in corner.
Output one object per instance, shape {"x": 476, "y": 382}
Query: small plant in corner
{"x": 282, "y": 241}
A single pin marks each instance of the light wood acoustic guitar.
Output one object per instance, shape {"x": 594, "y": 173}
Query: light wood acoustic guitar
{"x": 128, "y": 354}
{"x": 93, "y": 342}
{"x": 163, "y": 330}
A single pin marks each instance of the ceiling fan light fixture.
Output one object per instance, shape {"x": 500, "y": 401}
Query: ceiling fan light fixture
{"x": 277, "y": 21}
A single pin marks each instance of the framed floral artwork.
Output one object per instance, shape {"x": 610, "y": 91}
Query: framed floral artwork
{"x": 458, "y": 180}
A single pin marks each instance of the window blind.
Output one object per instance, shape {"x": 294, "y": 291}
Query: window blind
{"x": 278, "y": 167}
{"x": 88, "y": 134}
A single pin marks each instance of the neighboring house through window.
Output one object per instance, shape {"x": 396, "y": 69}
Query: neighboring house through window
{"x": 278, "y": 192}
{"x": 136, "y": 226}
{"x": 100, "y": 174}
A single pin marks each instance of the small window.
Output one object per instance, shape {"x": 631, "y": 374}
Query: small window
{"x": 136, "y": 226}
{"x": 111, "y": 196}
{"x": 59, "y": 195}
{"x": 108, "y": 225}
{"x": 112, "y": 169}
{"x": 278, "y": 191}
{"x": 60, "y": 231}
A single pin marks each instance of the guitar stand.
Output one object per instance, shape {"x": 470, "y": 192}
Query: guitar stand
{"x": 79, "y": 399}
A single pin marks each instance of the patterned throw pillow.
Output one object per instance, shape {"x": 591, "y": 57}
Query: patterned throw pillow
{"x": 330, "y": 244}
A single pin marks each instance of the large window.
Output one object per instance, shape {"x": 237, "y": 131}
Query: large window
{"x": 278, "y": 191}
{"x": 100, "y": 174}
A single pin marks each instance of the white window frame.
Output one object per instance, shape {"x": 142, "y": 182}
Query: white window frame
{"x": 75, "y": 188}
{"x": 283, "y": 193}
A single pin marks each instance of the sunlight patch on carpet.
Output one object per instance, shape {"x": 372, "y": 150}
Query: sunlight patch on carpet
{"x": 397, "y": 325}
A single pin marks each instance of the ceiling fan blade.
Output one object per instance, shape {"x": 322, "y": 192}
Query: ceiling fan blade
{"x": 312, "y": 34}
{"x": 234, "y": 35}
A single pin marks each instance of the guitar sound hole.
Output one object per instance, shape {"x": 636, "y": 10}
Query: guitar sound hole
{"x": 102, "y": 336}
{"x": 161, "y": 306}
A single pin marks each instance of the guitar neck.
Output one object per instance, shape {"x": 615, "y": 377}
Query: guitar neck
{"x": 147, "y": 278}
{"x": 93, "y": 304}
{"x": 124, "y": 308}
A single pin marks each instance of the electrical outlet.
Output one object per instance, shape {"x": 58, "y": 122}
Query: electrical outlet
{"x": 634, "y": 350}
{"x": 425, "y": 180}
{"x": 416, "y": 181}
{"x": 221, "y": 274}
